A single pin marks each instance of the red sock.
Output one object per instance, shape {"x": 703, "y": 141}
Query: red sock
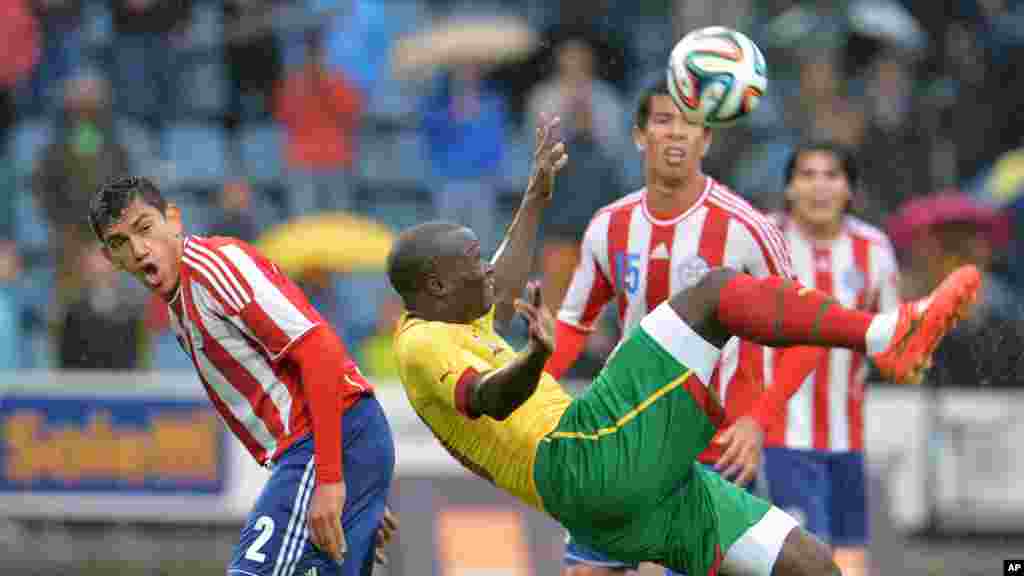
{"x": 777, "y": 312}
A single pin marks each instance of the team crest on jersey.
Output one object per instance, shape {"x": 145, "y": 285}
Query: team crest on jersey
{"x": 853, "y": 280}
{"x": 691, "y": 271}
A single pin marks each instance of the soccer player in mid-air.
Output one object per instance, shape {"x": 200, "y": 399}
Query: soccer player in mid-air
{"x": 616, "y": 466}
{"x": 279, "y": 377}
{"x": 814, "y": 457}
{"x": 656, "y": 241}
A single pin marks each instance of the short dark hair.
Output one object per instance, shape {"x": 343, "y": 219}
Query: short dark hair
{"x": 643, "y": 107}
{"x": 114, "y": 196}
{"x": 412, "y": 256}
{"x": 844, "y": 155}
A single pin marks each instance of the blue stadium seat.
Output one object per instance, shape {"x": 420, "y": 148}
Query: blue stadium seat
{"x": 27, "y": 142}
{"x": 207, "y": 25}
{"x": 410, "y": 161}
{"x": 261, "y": 150}
{"x": 399, "y": 213}
{"x": 515, "y": 166}
{"x": 198, "y": 154}
{"x": 204, "y": 90}
{"x": 393, "y": 158}
{"x": 140, "y": 144}
{"x": 392, "y": 100}
{"x": 30, "y": 227}
{"x": 405, "y": 16}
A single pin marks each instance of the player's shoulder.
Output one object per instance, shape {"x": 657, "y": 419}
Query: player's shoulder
{"x": 735, "y": 207}
{"x": 627, "y": 202}
{"x": 859, "y": 228}
{"x": 416, "y": 337}
{"x": 778, "y": 219}
{"x": 236, "y": 256}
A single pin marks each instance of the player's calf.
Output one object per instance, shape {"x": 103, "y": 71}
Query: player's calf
{"x": 804, "y": 555}
{"x": 698, "y": 305}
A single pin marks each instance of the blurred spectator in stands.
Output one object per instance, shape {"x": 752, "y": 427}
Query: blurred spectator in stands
{"x": 464, "y": 122}
{"x": 321, "y": 111}
{"x": 19, "y": 44}
{"x": 358, "y": 41}
{"x": 236, "y": 216}
{"x": 102, "y": 328}
{"x": 592, "y": 180}
{"x": 822, "y": 110}
{"x": 575, "y": 89}
{"x": 254, "y": 59}
{"x": 10, "y": 309}
{"x": 376, "y": 353}
{"x": 934, "y": 235}
{"x": 148, "y": 37}
{"x": 894, "y": 128}
{"x": 84, "y": 154}
{"x": 59, "y": 24}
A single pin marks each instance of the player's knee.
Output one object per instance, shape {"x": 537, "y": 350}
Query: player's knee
{"x": 804, "y": 555}
{"x": 588, "y": 570}
{"x": 697, "y": 305}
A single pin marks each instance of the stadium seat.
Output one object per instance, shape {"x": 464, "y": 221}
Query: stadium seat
{"x": 261, "y": 152}
{"x": 197, "y": 154}
{"x": 392, "y": 101}
{"x": 28, "y": 140}
{"x": 515, "y": 165}
{"x": 30, "y": 228}
{"x": 140, "y": 144}
{"x": 395, "y": 205}
{"x": 393, "y": 158}
{"x": 97, "y": 25}
{"x": 207, "y": 25}
{"x": 204, "y": 90}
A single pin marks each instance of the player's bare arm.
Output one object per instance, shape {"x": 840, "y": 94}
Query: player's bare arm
{"x": 498, "y": 394}
{"x": 513, "y": 259}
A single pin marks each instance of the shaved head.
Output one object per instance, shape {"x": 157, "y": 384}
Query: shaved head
{"x": 415, "y": 253}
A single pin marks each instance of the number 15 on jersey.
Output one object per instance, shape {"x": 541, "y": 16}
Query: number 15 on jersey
{"x": 627, "y": 272}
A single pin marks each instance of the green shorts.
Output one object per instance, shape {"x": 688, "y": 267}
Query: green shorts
{"x": 620, "y": 472}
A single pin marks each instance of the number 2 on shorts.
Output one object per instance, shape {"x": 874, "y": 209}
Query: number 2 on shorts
{"x": 265, "y": 525}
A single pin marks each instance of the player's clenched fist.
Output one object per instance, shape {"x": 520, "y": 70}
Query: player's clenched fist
{"x": 549, "y": 156}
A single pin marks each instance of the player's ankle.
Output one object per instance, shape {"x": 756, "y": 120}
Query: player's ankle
{"x": 880, "y": 332}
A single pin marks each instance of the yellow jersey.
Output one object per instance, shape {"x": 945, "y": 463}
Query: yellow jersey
{"x": 435, "y": 363}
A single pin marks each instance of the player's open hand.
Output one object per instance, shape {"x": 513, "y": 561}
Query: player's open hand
{"x": 549, "y": 156}
{"x": 324, "y": 520}
{"x": 538, "y": 318}
{"x": 388, "y": 527}
{"x": 742, "y": 457}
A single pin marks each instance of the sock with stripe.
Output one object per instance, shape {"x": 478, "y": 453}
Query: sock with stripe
{"x": 777, "y": 312}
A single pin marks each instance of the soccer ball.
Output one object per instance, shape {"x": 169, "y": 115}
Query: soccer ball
{"x": 716, "y": 76}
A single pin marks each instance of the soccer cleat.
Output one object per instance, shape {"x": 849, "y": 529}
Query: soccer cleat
{"x": 923, "y": 323}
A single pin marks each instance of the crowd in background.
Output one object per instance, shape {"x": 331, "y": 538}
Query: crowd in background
{"x": 250, "y": 113}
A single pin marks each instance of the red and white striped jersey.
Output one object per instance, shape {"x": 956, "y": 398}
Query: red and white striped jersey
{"x": 237, "y": 315}
{"x": 638, "y": 260}
{"x": 859, "y": 270}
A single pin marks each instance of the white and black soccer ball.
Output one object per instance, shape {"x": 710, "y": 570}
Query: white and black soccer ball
{"x": 716, "y": 76}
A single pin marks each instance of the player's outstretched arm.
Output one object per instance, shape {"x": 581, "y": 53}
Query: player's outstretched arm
{"x": 513, "y": 259}
{"x": 498, "y": 394}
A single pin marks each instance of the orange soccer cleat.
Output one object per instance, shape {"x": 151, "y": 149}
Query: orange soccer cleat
{"x": 923, "y": 323}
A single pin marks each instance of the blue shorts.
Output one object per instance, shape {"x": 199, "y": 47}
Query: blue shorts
{"x": 576, "y": 553}
{"x": 275, "y": 540}
{"x": 824, "y": 491}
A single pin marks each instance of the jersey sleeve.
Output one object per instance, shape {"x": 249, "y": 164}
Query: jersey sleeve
{"x": 255, "y": 295}
{"x": 888, "y": 279}
{"x": 764, "y": 249}
{"x": 433, "y": 366}
{"x": 590, "y": 289}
